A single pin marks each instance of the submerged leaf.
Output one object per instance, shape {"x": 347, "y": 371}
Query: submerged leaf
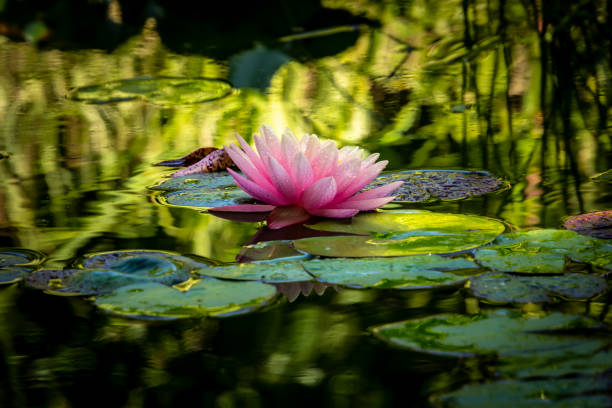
{"x": 397, "y": 233}
{"x": 408, "y": 272}
{"x": 432, "y": 185}
{"x": 160, "y": 90}
{"x": 596, "y": 224}
{"x": 543, "y": 251}
{"x": 502, "y": 287}
{"x": 503, "y": 332}
{"x": 207, "y": 297}
{"x": 189, "y": 159}
{"x": 216, "y": 161}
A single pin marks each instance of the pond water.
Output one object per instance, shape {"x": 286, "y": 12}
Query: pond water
{"x": 517, "y": 89}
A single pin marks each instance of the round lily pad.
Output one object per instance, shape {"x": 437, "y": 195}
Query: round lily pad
{"x": 277, "y": 272}
{"x": 160, "y": 90}
{"x": 204, "y": 199}
{"x": 164, "y": 267}
{"x": 19, "y": 256}
{"x": 506, "y": 288}
{"x": 210, "y": 297}
{"x": 205, "y": 181}
{"x": 80, "y": 282}
{"x": 583, "y": 391}
{"x": 434, "y": 185}
{"x": 12, "y": 274}
{"x": 596, "y": 224}
{"x": 397, "y": 233}
{"x": 543, "y": 251}
{"x": 270, "y": 251}
{"x": 408, "y": 272}
{"x": 503, "y": 332}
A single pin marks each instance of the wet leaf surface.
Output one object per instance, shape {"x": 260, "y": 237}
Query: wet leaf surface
{"x": 265, "y": 272}
{"x": 12, "y": 274}
{"x": 597, "y": 224}
{"x": 397, "y": 233}
{"x": 543, "y": 251}
{"x": 433, "y": 185}
{"x": 503, "y": 332}
{"x": 268, "y": 251}
{"x": 506, "y": 288}
{"x": 205, "y": 181}
{"x": 159, "y": 90}
{"x": 207, "y": 297}
{"x": 205, "y": 199}
{"x": 19, "y": 256}
{"x": 409, "y": 272}
{"x": 80, "y": 282}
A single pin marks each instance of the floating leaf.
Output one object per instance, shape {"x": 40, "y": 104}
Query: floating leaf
{"x": 432, "y": 185}
{"x": 160, "y": 90}
{"x": 255, "y": 68}
{"x": 19, "y": 256}
{"x": 163, "y": 267}
{"x": 581, "y": 391}
{"x": 12, "y": 274}
{"x": 503, "y": 332}
{"x": 189, "y": 159}
{"x": 204, "y": 199}
{"x": 396, "y": 233}
{"x": 605, "y": 177}
{"x": 270, "y": 250}
{"x": 216, "y": 161}
{"x": 265, "y": 272}
{"x": 543, "y": 251}
{"x": 80, "y": 282}
{"x": 408, "y": 272}
{"x": 502, "y": 287}
{"x": 596, "y": 224}
{"x": 206, "y": 297}
{"x": 204, "y": 181}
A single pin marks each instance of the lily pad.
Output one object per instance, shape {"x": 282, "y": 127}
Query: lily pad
{"x": 543, "y": 251}
{"x": 207, "y": 297}
{"x": 12, "y": 274}
{"x": 506, "y": 288}
{"x": 594, "y": 363}
{"x": 204, "y": 199}
{"x": 292, "y": 290}
{"x": 408, "y": 272}
{"x": 270, "y": 251}
{"x": 278, "y": 272}
{"x": 581, "y": 391}
{"x": 500, "y": 332}
{"x": 597, "y": 224}
{"x": 206, "y": 181}
{"x": 19, "y": 256}
{"x": 397, "y": 233}
{"x": 80, "y": 282}
{"x": 160, "y": 90}
{"x": 434, "y": 185}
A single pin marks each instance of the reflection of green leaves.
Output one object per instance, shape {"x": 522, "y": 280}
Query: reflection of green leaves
{"x": 396, "y": 233}
{"x": 501, "y": 287}
{"x": 266, "y": 272}
{"x": 159, "y": 90}
{"x": 211, "y": 297}
{"x": 431, "y": 185}
{"x": 552, "y": 392}
{"x": 410, "y": 272}
{"x": 543, "y": 251}
{"x": 255, "y": 68}
{"x": 502, "y": 332}
{"x": 80, "y": 282}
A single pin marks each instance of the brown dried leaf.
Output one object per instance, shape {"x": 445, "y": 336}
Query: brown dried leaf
{"x": 216, "y": 161}
{"x": 190, "y": 159}
{"x": 597, "y": 224}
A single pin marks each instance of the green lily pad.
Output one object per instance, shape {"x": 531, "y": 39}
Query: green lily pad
{"x": 506, "y": 288}
{"x": 160, "y": 90}
{"x": 204, "y": 199}
{"x": 12, "y": 274}
{"x": 80, "y": 282}
{"x": 434, "y": 185}
{"x": 19, "y": 256}
{"x": 270, "y": 251}
{"x": 397, "y": 233}
{"x": 543, "y": 251}
{"x": 408, "y": 272}
{"x": 502, "y": 332}
{"x": 593, "y": 363}
{"x": 581, "y": 391}
{"x": 597, "y": 224}
{"x": 207, "y": 297}
{"x": 207, "y": 181}
{"x": 278, "y": 272}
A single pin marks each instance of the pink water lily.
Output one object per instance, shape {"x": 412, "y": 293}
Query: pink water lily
{"x": 309, "y": 177}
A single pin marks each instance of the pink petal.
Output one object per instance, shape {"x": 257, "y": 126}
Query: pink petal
{"x": 310, "y": 146}
{"x": 248, "y": 168}
{"x": 302, "y": 171}
{"x": 282, "y": 180}
{"x": 345, "y": 173}
{"x": 333, "y": 213}
{"x": 319, "y": 193}
{"x": 326, "y": 161}
{"x": 257, "y": 191}
{"x": 377, "y": 192}
{"x": 245, "y": 208}
{"x": 364, "y": 205}
{"x": 254, "y": 157}
{"x": 274, "y": 146}
{"x": 365, "y": 177}
{"x": 289, "y": 147}
{"x": 371, "y": 159}
{"x": 285, "y": 216}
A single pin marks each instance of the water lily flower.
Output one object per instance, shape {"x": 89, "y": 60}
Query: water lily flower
{"x": 309, "y": 177}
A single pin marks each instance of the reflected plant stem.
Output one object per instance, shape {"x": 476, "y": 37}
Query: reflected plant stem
{"x": 503, "y": 25}
{"x": 464, "y": 117}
